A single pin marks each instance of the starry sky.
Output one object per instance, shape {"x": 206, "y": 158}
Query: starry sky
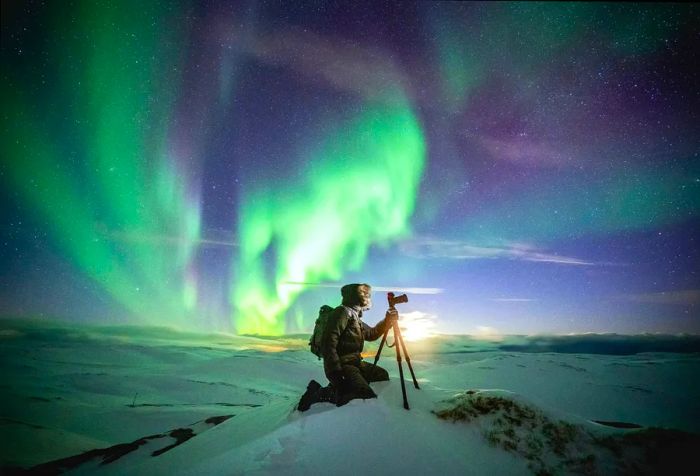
{"x": 515, "y": 168}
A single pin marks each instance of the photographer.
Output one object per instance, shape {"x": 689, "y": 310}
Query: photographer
{"x": 342, "y": 344}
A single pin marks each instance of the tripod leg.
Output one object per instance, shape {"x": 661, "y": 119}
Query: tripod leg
{"x": 398, "y": 359}
{"x": 379, "y": 352}
{"x": 405, "y": 353}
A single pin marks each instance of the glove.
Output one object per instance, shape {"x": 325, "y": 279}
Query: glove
{"x": 391, "y": 316}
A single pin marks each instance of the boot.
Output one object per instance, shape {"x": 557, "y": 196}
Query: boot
{"x": 310, "y": 397}
{"x": 328, "y": 394}
{"x": 362, "y": 393}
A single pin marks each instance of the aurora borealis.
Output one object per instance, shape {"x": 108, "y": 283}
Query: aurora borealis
{"x": 533, "y": 165}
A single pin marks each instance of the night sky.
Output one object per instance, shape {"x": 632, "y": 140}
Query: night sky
{"x": 513, "y": 167}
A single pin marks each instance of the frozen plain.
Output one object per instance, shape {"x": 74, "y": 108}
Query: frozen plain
{"x": 160, "y": 401}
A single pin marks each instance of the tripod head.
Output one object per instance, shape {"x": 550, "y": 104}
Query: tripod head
{"x": 395, "y": 299}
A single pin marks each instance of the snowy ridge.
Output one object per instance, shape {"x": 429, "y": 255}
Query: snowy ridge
{"x": 464, "y": 434}
{"x": 128, "y": 454}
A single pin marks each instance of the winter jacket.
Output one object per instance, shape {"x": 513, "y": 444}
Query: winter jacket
{"x": 344, "y": 337}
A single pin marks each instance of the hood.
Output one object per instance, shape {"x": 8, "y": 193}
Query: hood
{"x": 351, "y": 297}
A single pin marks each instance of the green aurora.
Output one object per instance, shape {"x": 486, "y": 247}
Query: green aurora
{"x": 135, "y": 141}
{"x": 93, "y": 162}
{"x": 135, "y": 229}
{"x": 358, "y": 189}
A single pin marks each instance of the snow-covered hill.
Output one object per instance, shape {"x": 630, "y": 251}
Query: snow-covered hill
{"x": 89, "y": 400}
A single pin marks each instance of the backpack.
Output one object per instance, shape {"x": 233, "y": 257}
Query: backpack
{"x": 320, "y": 326}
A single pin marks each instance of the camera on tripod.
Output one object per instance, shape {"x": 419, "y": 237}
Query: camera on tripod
{"x": 398, "y": 344}
{"x": 396, "y": 299}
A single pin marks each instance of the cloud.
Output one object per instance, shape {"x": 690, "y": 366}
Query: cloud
{"x": 344, "y": 65}
{"x": 522, "y": 150}
{"x": 486, "y": 338}
{"x": 512, "y": 299}
{"x": 687, "y": 297}
{"x": 396, "y": 289}
{"x": 487, "y": 333}
{"x": 459, "y": 250}
{"x": 417, "y": 325}
{"x": 213, "y": 238}
{"x": 612, "y": 344}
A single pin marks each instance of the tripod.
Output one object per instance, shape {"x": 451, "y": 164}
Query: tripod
{"x": 399, "y": 344}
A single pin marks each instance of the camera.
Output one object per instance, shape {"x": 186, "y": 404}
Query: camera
{"x": 396, "y": 299}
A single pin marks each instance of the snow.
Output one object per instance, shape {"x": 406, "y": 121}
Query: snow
{"x": 69, "y": 389}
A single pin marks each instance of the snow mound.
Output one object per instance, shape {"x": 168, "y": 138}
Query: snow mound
{"x": 552, "y": 445}
{"x": 374, "y": 436}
